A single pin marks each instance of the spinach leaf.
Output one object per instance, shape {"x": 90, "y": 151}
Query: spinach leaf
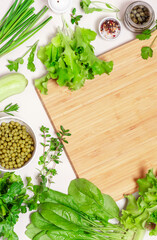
{"x": 69, "y": 235}
{"x": 32, "y": 231}
{"x": 39, "y": 235}
{"x": 62, "y": 216}
{"x": 58, "y": 197}
{"x": 40, "y": 222}
{"x": 87, "y": 194}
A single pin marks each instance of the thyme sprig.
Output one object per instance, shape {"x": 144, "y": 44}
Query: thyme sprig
{"x": 52, "y": 150}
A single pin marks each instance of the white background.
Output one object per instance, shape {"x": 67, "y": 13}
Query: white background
{"x": 31, "y": 109}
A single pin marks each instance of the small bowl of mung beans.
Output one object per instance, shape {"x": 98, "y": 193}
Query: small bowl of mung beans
{"x": 17, "y": 144}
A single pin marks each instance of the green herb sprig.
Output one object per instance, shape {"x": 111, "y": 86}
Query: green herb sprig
{"x": 10, "y": 108}
{"x": 52, "y": 150}
{"x": 147, "y": 51}
{"x": 92, "y": 6}
{"x": 14, "y": 65}
{"x": 75, "y": 18}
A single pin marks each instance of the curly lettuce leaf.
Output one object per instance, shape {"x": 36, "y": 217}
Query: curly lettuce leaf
{"x": 70, "y": 59}
{"x": 143, "y": 211}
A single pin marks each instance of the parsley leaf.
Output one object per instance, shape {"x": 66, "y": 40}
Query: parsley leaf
{"x": 146, "y": 34}
{"x": 14, "y": 65}
{"x": 146, "y": 52}
{"x": 30, "y": 64}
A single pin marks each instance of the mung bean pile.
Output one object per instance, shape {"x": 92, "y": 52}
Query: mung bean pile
{"x": 16, "y": 145}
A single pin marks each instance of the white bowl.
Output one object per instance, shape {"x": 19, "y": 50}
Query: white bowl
{"x": 109, "y": 18}
{"x": 59, "y": 6}
{"x": 29, "y": 130}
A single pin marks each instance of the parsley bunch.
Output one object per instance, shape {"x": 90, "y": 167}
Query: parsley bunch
{"x": 12, "y": 198}
{"x": 147, "y": 51}
{"x": 14, "y": 65}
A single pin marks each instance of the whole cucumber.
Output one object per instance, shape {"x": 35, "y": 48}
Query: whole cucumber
{"x": 12, "y": 84}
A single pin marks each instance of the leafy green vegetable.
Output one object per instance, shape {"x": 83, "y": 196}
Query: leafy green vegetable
{"x": 85, "y": 193}
{"x": 92, "y": 6}
{"x": 18, "y": 25}
{"x": 12, "y": 198}
{"x": 72, "y": 215}
{"x": 10, "y": 108}
{"x": 39, "y": 222}
{"x": 14, "y": 65}
{"x": 143, "y": 211}
{"x": 70, "y": 59}
{"x": 75, "y": 19}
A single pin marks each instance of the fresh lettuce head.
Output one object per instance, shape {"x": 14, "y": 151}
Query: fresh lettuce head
{"x": 70, "y": 59}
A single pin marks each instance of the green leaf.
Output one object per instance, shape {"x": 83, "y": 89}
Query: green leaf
{"x": 108, "y": 5}
{"x": 58, "y": 197}
{"x": 69, "y": 235}
{"x": 70, "y": 59}
{"x": 10, "y": 108}
{"x": 30, "y": 64}
{"x": 86, "y": 6}
{"x": 86, "y": 194}
{"x": 146, "y": 52}
{"x": 146, "y": 34}
{"x": 74, "y": 11}
{"x": 62, "y": 216}
{"x": 39, "y": 222}
{"x": 14, "y": 65}
{"x": 32, "y": 231}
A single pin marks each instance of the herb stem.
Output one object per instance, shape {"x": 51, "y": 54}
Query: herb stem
{"x": 153, "y": 41}
{"x": 114, "y": 9}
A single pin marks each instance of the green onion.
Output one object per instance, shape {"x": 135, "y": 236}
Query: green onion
{"x": 19, "y": 24}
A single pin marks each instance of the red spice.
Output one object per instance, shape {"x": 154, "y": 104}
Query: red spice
{"x": 110, "y": 26}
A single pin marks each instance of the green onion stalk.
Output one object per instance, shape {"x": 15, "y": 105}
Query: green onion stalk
{"x": 19, "y": 24}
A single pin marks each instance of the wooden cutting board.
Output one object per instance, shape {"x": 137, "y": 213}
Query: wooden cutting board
{"x": 113, "y": 121}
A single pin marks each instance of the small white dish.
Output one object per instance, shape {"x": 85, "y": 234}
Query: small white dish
{"x": 59, "y": 6}
{"x": 105, "y": 34}
{"x": 31, "y": 133}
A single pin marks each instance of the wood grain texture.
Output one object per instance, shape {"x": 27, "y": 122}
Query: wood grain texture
{"x": 113, "y": 121}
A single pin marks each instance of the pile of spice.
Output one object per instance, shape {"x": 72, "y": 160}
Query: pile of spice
{"x": 140, "y": 14}
{"x": 110, "y": 29}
